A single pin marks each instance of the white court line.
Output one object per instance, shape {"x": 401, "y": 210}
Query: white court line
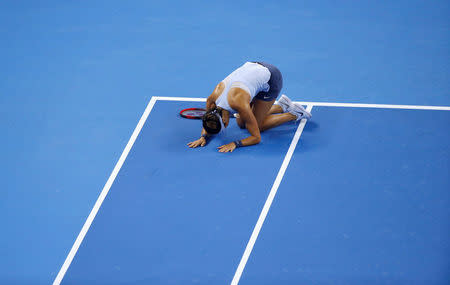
{"x": 265, "y": 210}
{"x": 103, "y": 194}
{"x": 181, "y": 99}
{"x": 330, "y": 104}
{"x": 383, "y": 106}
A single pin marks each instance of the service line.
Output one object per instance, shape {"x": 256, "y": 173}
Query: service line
{"x": 331, "y": 104}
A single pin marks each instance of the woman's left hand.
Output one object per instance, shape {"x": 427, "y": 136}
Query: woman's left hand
{"x": 227, "y": 147}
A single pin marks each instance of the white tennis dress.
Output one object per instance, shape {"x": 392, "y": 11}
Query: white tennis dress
{"x": 251, "y": 77}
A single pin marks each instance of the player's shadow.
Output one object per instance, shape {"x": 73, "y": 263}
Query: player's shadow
{"x": 308, "y": 140}
{"x": 281, "y": 137}
{"x": 273, "y": 141}
{"x": 311, "y": 126}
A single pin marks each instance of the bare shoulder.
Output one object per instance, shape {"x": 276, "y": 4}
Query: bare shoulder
{"x": 217, "y": 92}
{"x": 239, "y": 99}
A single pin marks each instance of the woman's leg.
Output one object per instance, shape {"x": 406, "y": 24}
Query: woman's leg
{"x": 266, "y": 120}
{"x": 275, "y": 109}
{"x": 240, "y": 122}
{"x": 275, "y": 120}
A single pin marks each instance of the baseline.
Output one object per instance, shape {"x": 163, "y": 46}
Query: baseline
{"x": 331, "y": 104}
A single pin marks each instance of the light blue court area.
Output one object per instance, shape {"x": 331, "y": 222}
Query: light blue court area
{"x": 364, "y": 200}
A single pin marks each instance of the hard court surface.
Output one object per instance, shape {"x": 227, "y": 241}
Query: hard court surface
{"x": 98, "y": 185}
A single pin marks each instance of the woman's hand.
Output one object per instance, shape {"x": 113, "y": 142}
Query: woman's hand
{"x": 227, "y": 147}
{"x": 200, "y": 142}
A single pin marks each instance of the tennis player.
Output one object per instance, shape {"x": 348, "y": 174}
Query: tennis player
{"x": 248, "y": 93}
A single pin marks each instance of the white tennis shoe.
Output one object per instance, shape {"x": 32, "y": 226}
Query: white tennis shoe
{"x": 284, "y": 102}
{"x": 295, "y": 109}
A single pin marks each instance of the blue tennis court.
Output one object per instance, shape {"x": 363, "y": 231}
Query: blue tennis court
{"x": 358, "y": 203}
{"x": 99, "y": 186}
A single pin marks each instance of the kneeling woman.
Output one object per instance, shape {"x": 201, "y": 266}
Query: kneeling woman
{"x": 249, "y": 94}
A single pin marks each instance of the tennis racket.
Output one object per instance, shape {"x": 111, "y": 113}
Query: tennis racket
{"x": 192, "y": 113}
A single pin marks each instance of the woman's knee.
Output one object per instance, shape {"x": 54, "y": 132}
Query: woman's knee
{"x": 263, "y": 125}
{"x": 262, "y": 128}
{"x": 240, "y": 123}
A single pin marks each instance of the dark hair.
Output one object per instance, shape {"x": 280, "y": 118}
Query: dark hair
{"x": 211, "y": 121}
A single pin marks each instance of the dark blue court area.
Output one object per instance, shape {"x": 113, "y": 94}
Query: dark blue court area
{"x": 364, "y": 201}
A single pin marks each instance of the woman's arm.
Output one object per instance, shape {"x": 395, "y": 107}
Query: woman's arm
{"x": 210, "y": 104}
{"x": 211, "y": 100}
{"x": 251, "y": 124}
{"x": 240, "y": 104}
{"x": 252, "y": 127}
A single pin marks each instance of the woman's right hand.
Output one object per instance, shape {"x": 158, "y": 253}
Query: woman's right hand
{"x": 200, "y": 142}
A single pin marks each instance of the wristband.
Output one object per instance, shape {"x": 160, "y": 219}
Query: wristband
{"x": 238, "y": 143}
{"x": 206, "y": 137}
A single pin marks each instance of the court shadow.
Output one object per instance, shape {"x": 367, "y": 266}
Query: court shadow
{"x": 311, "y": 126}
{"x": 273, "y": 141}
